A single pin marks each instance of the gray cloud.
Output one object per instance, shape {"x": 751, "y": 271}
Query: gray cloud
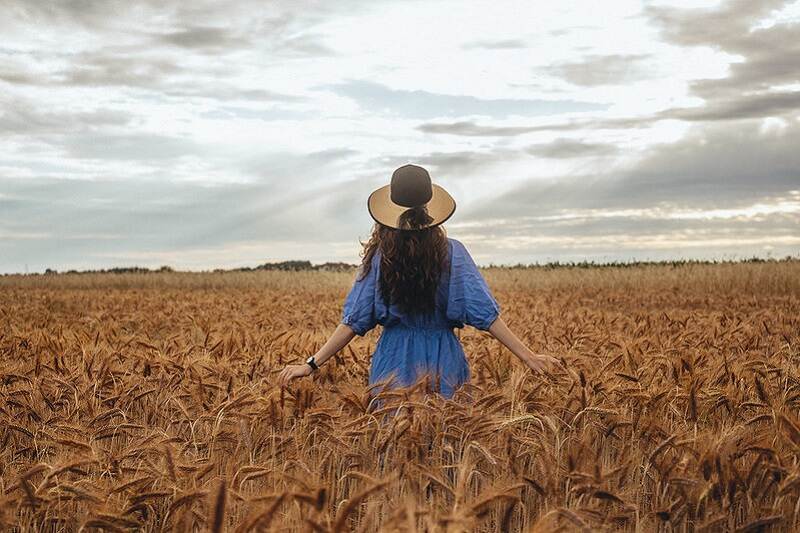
{"x": 598, "y": 230}
{"x": 636, "y": 236}
{"x": 146, "y": 44}
{"x": 224, "y": 92}
{"x": 275, "y": 166}
{"x": 712, "y": 167}
{"x": 164, "y": 76}
{"x": 423, "y": 104}
{"x": 499, "y": 44}
{"x": 589, "y": 224}
{"x": 110, "y": 66}
{"x": 107, "y": 68}
{"x": 718, "y": 192}
{"x": 463, "y": 163}
{"x": 571, "y": 148}
{"x": 24, "y": 116}
{"x": 595, "y": 70}
{"x": 159, "y": 216}
{"x": 132, "y": 147}
{"x": 18, "y": 76}
{"x": 770, "y": 56}
{"x": 87, "y": 14}
{"x": 718, "y": 26}
{"x": 471, "y": 129}
{"x": 203, "y": 38}
{"x": 307, "y": 45}
{"x": 746, "y": 106}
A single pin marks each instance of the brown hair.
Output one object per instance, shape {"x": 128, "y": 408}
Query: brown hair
{"x": 412, "y": 261}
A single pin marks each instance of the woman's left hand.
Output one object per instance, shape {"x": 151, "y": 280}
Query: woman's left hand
{"x": 291, "y": 372}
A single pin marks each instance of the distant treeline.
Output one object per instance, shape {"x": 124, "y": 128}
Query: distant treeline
{"x": 282, "y": 265}
{"x": 298, "y": 265}
{"x": 295, "y": 265}
{"x": 626, "y": 264}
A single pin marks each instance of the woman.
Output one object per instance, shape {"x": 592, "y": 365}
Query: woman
{"x": 418, "y": 284}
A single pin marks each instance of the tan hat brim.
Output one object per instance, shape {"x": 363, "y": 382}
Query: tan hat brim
{"x": 441, "y": 206}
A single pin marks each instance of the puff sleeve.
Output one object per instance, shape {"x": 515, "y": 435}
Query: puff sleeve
{"x": 470, "y": 301}
{"x": 359, "y": 310}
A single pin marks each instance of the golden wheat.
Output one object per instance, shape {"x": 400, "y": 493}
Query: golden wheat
{"x": 148, "y": 402}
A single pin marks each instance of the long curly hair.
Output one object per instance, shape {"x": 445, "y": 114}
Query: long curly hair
{"x": 412, "y": 261}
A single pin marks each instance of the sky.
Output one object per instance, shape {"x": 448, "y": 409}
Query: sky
{"x": 206, "y": 135}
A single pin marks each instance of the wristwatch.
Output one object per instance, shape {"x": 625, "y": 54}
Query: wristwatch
{"x": 312, "y": 363}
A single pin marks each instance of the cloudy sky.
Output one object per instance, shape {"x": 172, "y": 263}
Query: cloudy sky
{"x": 222, "y": 134}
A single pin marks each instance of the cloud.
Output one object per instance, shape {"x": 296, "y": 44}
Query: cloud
{"x": 571, "y": 148}
{"x": 164, "y": 76}
{"x": 462, "y": 163}
{"x": 596, "y": 70}
{"x": 378, "y": 98}
{"x": 769, "y": 56}
{"x": 469, "y": 128}
{"x": 221, "y": 91}
{"x": 291, "y": 167}
{"x": 120, "y": 66}
{"x": 289, "y": 202}
{"x": 654, "y": 233}
{"x": 760, "y": 105}
{"x": 89, "y": 15}
{"x": 744, "y": 107}
{"x": 712, "y": 167}
{"x": 497, "y": 44}
{"x": 144, "y": 147}
{"x": 148, "y": 44}
{"x": 203, "y": 38}
{"x": 24, "y": 116}
{"x": 535, "y": 245}
{"x": 108, "y": 69}
{"x": 306, "y": 45}
{"x": 723, "y": 25}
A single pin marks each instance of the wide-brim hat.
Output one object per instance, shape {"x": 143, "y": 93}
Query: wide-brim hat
{"x": 410, "y": 187}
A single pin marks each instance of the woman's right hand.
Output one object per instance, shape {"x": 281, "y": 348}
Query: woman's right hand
{"x": 541, "y": 363}
{"x": 291, "y": 372}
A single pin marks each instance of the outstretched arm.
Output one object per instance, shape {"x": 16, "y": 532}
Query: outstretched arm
{"x": 340, "y": 337}
{"x": 537, "y": 362}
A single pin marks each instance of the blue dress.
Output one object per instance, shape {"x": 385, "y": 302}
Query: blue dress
{"x": 414, "y": 343}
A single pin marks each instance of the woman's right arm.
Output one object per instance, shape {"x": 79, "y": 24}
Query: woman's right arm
{"x": 539, "y": 363}
{"x": 340, "y": 337}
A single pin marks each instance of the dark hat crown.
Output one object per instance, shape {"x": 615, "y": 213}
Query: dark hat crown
{"x": 411, "y": 186}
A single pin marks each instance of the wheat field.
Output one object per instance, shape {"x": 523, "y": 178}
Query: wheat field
{"x": 147, "y": 402}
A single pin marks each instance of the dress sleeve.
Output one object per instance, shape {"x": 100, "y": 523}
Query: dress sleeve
{"x": 359, "y": 310}
{"x": 470, "y": 300}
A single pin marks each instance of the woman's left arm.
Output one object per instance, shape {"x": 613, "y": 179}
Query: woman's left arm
{"x": 340, "y": 337}
{"x": 539, "y": 363}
